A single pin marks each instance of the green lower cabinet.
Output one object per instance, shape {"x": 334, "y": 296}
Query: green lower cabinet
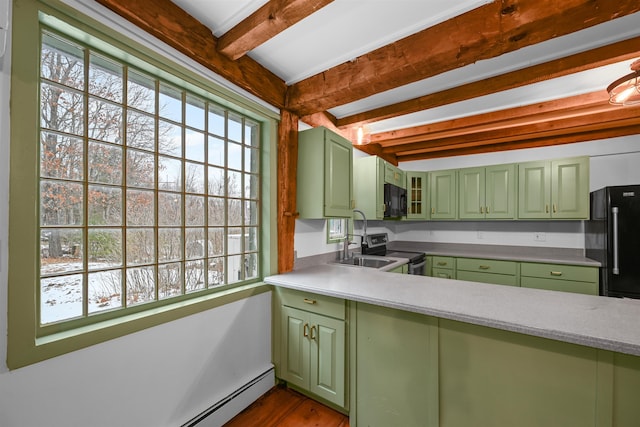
{"x": 313, "y": 353}
{"x": 487, "y": 271}
{"x": 558, "y": 277}
{"x": 443, "y": 273}
{"x": 396, "y": 368}
{"x": 403, "y": 269}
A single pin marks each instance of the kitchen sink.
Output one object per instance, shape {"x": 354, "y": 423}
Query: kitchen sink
{"x": 371, "y": 261}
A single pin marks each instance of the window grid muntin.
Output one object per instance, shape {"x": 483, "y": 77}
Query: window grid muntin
{"x": 208, "y": 258}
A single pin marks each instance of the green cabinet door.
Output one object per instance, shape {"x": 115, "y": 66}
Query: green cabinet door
{"x": 327, "y": 362}
{"x": 313, "y": 353}
{"x": 570, "y": 188}
{"x": 338, "y": 176}
{"x": 417, "y": 195}
{"x": 500, "y": 195}
{"x": 556, "y": 189}
{"x": 325, "y": 171}
{"x": 393, "y": 175}
{"x": 471, "y": 193}
{"x": 534, "y": 190}
{"x": 443, "y": 190}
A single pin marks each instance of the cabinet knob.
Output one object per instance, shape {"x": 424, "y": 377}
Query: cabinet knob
{"x": 554, "y": 208}
{"x": 433, "y": 211}
{"x": 313, "y": 332}
{"x": 481, "y": 209}
{"x": 484, "y": 267}
{"x": 556, "y": 273}
{"x": 305, "y": 330}
{"x": 442, "y": 263}
{"x": 309, "y": 301}
{"x": 486, "y": 209}
{"x": 546, "y": 208}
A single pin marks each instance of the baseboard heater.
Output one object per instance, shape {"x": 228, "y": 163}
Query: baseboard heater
{"x": 231, "y": 405}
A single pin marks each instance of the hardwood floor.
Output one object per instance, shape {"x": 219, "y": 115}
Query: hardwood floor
{"x": 282, "y": 407}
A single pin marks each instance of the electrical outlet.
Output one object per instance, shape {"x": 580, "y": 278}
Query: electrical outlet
{"x": 480, "y": 234}
{"x": 540, "y": 237}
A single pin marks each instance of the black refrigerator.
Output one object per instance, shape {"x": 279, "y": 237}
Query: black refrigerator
{"x": 612, "y": 236}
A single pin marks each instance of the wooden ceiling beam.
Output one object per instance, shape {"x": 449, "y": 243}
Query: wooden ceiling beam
{"x": 486, "y": 32}
{"x": 265, "y": 23}
{"x": 589, "y": 103}
{"x": 610, "y": 54}
{"x": 529, "y": 143}
{"x": 171, "y": 24}
{"x": 556, "y": 128}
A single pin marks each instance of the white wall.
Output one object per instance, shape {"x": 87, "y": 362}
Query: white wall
{"x": 613, "y": 162}
{"x": 162, "y": 376}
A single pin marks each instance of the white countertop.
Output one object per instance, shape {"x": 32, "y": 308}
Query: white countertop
{"x": 594, "y": 321}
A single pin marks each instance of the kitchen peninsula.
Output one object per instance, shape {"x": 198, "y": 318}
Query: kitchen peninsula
{"x": 430, "y": 351}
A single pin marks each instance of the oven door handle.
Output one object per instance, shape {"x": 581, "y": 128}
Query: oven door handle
{"x": 413, "y": 267}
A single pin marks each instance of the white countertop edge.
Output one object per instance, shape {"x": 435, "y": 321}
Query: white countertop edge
{"x": 568, "y": 331}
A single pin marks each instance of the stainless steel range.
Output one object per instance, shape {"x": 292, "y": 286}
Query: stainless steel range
{"x": 376, "y": 244}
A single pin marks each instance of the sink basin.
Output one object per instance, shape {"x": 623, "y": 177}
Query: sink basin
{"x": 372, "y": 261}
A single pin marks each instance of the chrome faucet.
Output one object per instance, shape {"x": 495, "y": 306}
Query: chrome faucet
{"x": 364, "y": 218}
{"x": 347, "y": 242}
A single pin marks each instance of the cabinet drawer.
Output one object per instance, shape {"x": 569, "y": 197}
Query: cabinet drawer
{"x": 493, "y": 278}
{"x": 320, "y": 304}
{"x": 589, "y": 288}
{"x": 559, "y": 272}
{"x": 443, "y": 273}
{"x": 487, "y": 266}
{"x": 443, "y": 262}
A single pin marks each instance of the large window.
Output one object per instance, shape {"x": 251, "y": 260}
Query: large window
{"x": 147, "y": 192}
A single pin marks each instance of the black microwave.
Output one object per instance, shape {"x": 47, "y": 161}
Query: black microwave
{"x": 395, "y": 201}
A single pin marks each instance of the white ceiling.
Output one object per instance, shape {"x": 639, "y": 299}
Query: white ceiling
{"x": 346, "y": 29}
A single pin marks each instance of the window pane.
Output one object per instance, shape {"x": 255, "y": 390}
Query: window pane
{"x": 60, "y": 250}
{"x": 105, "y": 248}
{"x": 105, "y": 163}
{"x": 169, "y": 209}
{"x": 141, "y": 130}
{"x": 251, "y": 266}
{"x": 105, "y": 78}
{"x": 251, "y": 239}
{"x": 234, "y": 241}
{"x": 140, "y": 285}
{"x": 251, "y": 159}
{"x": 195, "y": 243}
{"x": 194, "y": 145}
{"x": 169, "y": 280}
{"x": 105, "y": 121}
{"x": 169, "y": 244}
{"x": 216, "y": 241}
{"x": 61, "y": 109}
{"x": 235, "y": 156}
{"x": 105, "y": 205}
{"x": 60, "y": 298}
{"x": 169, "y": 173}
{"x": 251, "y": 133}
{"x": 194, "y": 210}
{"x": 141, "y": 92}
{"x": 105, "y": 290}
{"x": 216, "y": 121}
{"x": 216, "y": 151}
{"x": 141, "y": 168}
{"x": 234, "y": 212}
{"x": 235, "y": 268}
{"x": 217, "y": 211}
{"x": 140, "y": 207}
{"x": 216, "y": 181}
{"x": 215, "y": 271}
{"x": 194, "y": 275}
{"x": 250, "y": 213}
{"x": 195, "y": 112}
{"x": 60, "y": 203}
{"x": 195, "y": 178}
{"x": 170, "y": 103}
{"x": 61, "y": 156}
{"x": 251, "y": 187}
{"x": 235, "y": 128}
{"x": 62, "y": 62}
{"x": 141, "y": 248}
{"x": 170, "y": 139}
{"x": 234, "y": 184}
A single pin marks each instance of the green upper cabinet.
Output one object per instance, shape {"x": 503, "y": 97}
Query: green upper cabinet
{"x": 443, "y": 190}
{"x": 554, "y": 189}
{"x": 417, "y": 195}
{"x": 325, "y": 174}
{"x": 369, "y": 176}
{"x": 487, "y": 192}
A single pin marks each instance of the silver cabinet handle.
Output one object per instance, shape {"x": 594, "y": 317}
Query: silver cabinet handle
{"x": 616, "y": 266}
